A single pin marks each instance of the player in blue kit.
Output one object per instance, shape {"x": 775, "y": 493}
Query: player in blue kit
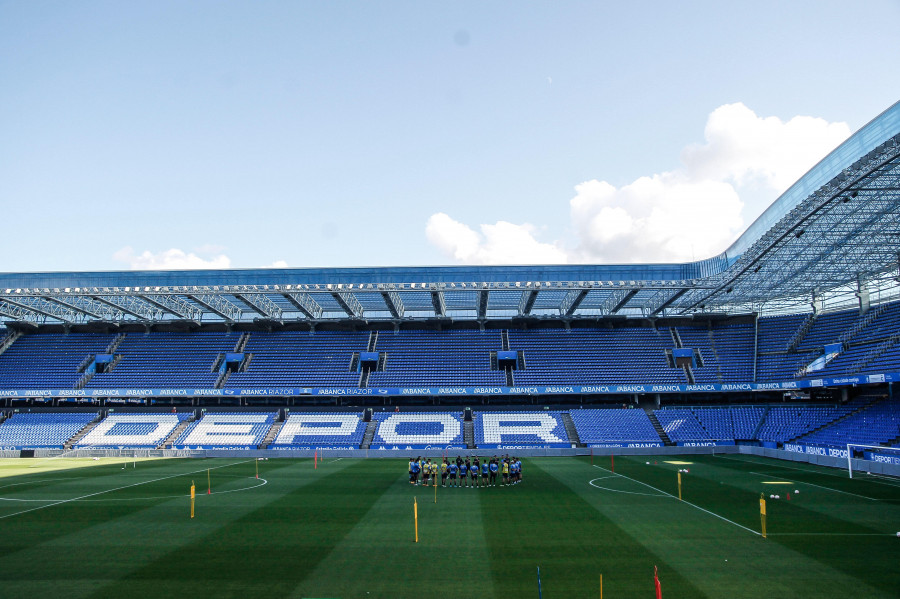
{"x": 415, "y": 472}
{"x": 463, "y": 470}
{"x": 494, "y": 467}
{"x": 474, "y": 471}
{"x": 484, "y": 473}
{"x": 453, "y": 468}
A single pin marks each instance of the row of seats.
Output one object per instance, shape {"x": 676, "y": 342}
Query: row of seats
{"x": 633, "y": 354}
{"x": 867, "y": 420}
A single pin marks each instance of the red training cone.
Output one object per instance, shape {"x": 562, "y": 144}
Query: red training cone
{"x": 209, "y": 491}
{"x": 789, "y": 497}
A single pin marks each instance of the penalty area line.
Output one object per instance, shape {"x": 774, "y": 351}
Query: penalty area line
{"x": 156, "y": 480}
{"x": 682, "y": 501}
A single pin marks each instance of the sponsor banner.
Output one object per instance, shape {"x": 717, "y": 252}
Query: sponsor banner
{"x": 447, "y": 391}
{"x": 832, "y": 452}
{"x": 625, "y": 444}
{"x": 405, "y": 446}
{"x": 523, "y": 445}
{"x": 313, "y": 447}
{"x": 703, "y": 443}
{"x": 219, "y": 447}
{"x": 881, "y": 458}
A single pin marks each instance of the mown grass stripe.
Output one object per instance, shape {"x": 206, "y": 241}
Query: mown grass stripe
{"x": 543, "y": 522}
{"x": 720, "y": 517}
{"x": 383, "y": 561}
{"x": 840, "y": 566}
{"x": 268, "y": 549}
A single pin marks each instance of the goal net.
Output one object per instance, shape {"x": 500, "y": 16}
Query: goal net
{"x": 858, "y": 455}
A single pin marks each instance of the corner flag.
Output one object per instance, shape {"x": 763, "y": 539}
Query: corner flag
{"x": 656, "y": 583}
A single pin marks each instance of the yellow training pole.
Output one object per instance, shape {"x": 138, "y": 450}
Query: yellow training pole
{"x": 679, "y": 485}
{"x": 435, "y": 488}
{"x": 208, "y": 483}
{"x": 416, "y": 518}
{"x": 601, "y": 586}
{"x": 256, "y": 461}
{"x": 762, "y": 514}
{"x": 193, "y": 494}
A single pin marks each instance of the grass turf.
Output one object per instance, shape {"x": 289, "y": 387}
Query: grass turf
{"x": 84, "y": 528}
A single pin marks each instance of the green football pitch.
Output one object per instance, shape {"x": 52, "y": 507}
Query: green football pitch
{"x": 114, "y": 528}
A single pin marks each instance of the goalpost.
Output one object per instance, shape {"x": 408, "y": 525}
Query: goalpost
{"x": 891, "y": 454}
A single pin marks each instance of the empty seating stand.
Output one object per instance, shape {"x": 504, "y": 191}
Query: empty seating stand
{"x": 227, "y": 430}
{"x": 418, "y": 430}
{"x": 42, "y": 430}
{"x": 136, "y": 430}
{"x": 614, "y": 426}
{"x": 48, "y": 360}
{"x": 331, "y": 430}
{"x": 294, "y": 358}
{"x": 520, "y": 430}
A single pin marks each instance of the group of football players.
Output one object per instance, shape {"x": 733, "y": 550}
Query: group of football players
{"x": 469, "y": 472}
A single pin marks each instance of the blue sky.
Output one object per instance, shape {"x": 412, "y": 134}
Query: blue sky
{"x": 251, "y": 134}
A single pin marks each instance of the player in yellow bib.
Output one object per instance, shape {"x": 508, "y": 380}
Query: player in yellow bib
{"x": 505, "y": 472}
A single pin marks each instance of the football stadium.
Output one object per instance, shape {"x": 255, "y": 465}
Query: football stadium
{"x": 723, "y": 427}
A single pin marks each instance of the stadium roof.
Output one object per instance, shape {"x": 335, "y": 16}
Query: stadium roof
{"x": 832, "y": 240}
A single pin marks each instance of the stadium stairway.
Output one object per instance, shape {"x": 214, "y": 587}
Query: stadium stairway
{"x": 712, "y": 346}
{"x": 761, "y": 422}
{"x": 88, "y": 427}
{"x": 864, "y": 321}
{"x": 571, "y": 430}
{"x": 659, "y": 429}
{"x": 272, "y": 434}
{"x": 8, "y": 340}
{"x": 797, "y": 338}
{"x": 371, "y": 426}
{"x": 469, "y": 433}
{"x": 84, "y": 380}
{"x": 115, "y": 343}
{"x": 167, "y": 443}
{"x": 874, "y": 353}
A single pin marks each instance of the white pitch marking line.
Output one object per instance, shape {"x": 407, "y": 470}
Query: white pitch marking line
{"x": 264, "y": 482}
{"x": 40, "y": 507}
{"x": 682, "y": 501}
{"x": 619, "y": 490}
{"x": 831, "y": 534}
{"x": 758, "y": 463}
{"x": 800, "y": 482}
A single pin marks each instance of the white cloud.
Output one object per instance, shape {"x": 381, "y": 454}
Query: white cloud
{"x": 171, "y": 259}
{"x": 693, "y": 212}
{"x": 500, "y": 243}
{"x": 666, "y": 217}
{"x": 278, "y": 264}
{"x": 746, "y": 149}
